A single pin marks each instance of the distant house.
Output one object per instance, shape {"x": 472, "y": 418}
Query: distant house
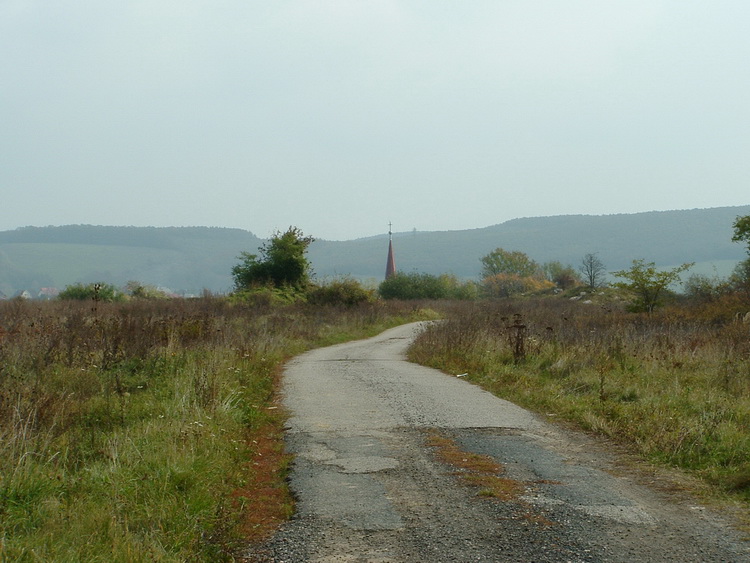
{"x": 48, "y": 293}
{"x": 3, "y": 297}
{"x": 22, "y": 294}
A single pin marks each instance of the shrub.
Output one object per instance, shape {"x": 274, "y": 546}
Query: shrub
{"x": 456, "y": 289}
{"x": 267, "y": 296}
{"x": 703, "y": 289}
{"x": 95, "y": 291}
{"x": 142, "y": 291}
{"x": 346, "y": 291}
{"x": 648, "y": 285}
{"x": 740, "y": 278}
{"x": 562, "y": 276}
{"x": 507, "y": 285}
{"x": 426, "y": 286}
{"x": 412, "y": 286}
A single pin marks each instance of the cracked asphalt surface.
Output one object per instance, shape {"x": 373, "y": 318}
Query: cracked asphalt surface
{"x": 371, "y": 488}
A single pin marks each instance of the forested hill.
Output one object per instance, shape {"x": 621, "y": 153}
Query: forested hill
{"x": 148, "y": 237}
{"x": 667, "y": 238}
{"x": 180, "y": 258}
{"x": 193, "y": 258}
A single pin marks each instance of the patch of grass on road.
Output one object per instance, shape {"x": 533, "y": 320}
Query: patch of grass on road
{"x": 475, "y": 469}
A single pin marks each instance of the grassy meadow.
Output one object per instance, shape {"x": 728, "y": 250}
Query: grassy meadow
{"x": 149, "y": 430}
{"x": 673, "y": 386}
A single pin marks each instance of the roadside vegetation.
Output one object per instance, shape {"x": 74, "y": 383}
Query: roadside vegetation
{"x": 414, "y": 285}
{"x": 149, "y": 430}
{"x": 673, "y": 385}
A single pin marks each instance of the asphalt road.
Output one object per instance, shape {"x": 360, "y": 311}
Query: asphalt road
{"x": 371, "y": 487}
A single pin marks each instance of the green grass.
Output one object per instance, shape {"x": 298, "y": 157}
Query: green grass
{"x": 143, "y": 431}
{"x": 141, "y": 468}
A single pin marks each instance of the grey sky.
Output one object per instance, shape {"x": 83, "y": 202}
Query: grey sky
{"x": 339, "y": 116}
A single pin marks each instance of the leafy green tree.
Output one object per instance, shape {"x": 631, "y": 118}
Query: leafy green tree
{"x": 648, "y": 284}
{"x": 501, "y": 261}
{"x": 99, "y": 291}
{"x": 742, "y": 231}
{"x": 281, "y": 263}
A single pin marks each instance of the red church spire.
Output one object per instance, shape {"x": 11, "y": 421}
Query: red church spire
{"x": 390, "y": 265}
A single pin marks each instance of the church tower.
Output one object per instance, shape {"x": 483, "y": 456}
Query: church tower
{"x": 390, "y": 265}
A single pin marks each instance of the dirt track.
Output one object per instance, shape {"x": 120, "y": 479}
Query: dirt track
{"x": 372, "y": 487}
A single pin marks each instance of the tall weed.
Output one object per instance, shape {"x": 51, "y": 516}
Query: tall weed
{"x": 674, "y": 385}
{"x": 138, "y": 431}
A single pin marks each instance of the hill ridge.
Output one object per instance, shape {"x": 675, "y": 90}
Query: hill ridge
{"x": 194, "y": 258}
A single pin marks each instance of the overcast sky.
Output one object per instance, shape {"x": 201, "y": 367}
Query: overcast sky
{"x": 340, "y": 116}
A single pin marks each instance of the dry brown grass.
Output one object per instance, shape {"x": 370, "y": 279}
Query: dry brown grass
{"x": 147, "y": 430}
{"x": 487, "y": 476}
{"x": 476, "y": 470}
{"x": 673, "y": 386}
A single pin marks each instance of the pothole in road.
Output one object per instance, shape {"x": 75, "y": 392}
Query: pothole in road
{"x": 364, "y": 464}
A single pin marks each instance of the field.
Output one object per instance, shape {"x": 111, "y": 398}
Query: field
{"x": 149, "y": 430}
{"x": 674, "y": 386}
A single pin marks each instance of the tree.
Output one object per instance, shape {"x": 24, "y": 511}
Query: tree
{"x": 282, "y": 263}
{"x": 501, "y": 261}
{"x": 742, "y": 231}
{"x": 562, "y": 276}
{"x": 648, "y": 284}
{"x": 593, "y": 271}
